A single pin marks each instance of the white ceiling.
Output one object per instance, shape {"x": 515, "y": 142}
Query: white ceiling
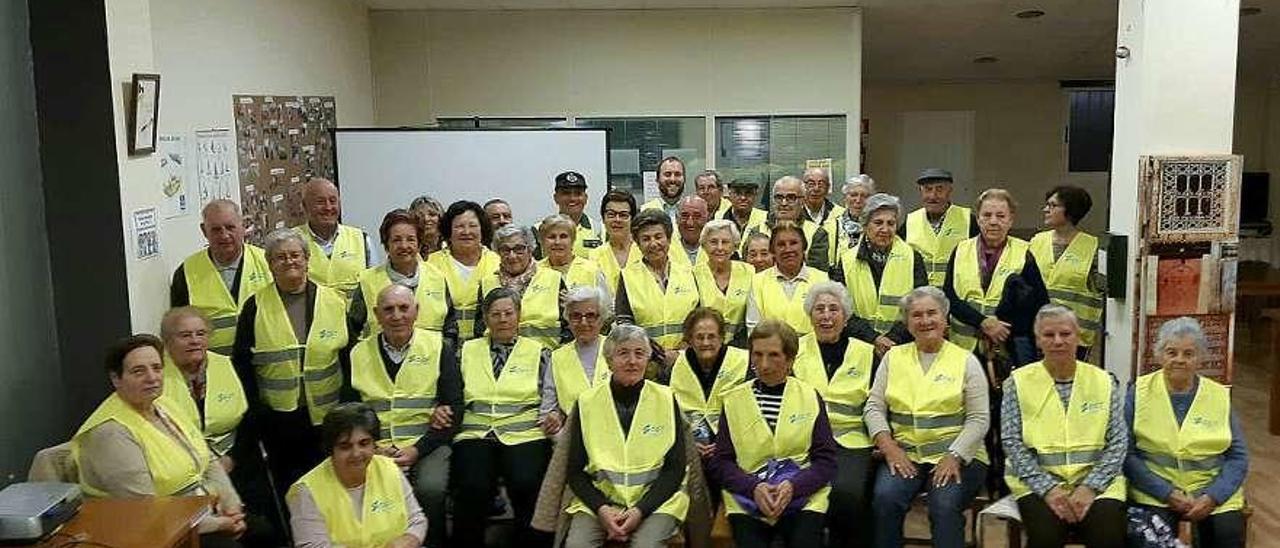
{"x": 937, "y": 40}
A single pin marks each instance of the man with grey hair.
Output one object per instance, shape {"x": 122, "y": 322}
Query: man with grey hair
{"x": 939, "y": 226}
{"x": 817, "y": 187}
{"x": 845, "y": 229}
{"x": 787, "y": 205}
{"x": 339, "y": 253}
{"x": 710, "y": 187}
{"x": 220, "y": 278}
{"x": 691, "y": 216}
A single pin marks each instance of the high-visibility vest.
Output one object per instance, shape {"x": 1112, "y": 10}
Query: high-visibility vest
{"x": 677, "y": 255}
{"x": 603, "y": 257}
{"x": 926, "y": 410}
{"x": 571, "y": 376}
{"x": 341, "y": 269}
{"x": 836, "y": 236}
{"x": 1067, "y": 279}
{"x": 732, "y": 302}
{"x": 755, "y": 220}
{"x": 464, "y": 292}
{"x": 507, "y": 405}
{"x": 383, "y": 515}
{"x": 661, "y": 313}
{"x": 539, "y": 305}
{"x": 880, "y": 305}
{"x": 623, "y": 465}
{"x": 936, "y": 247}
{"x": 224, "y": 400}
{"x": 173, "y": 468}
{"x": 1188, "y": 455}
{"x": 655, "y": 203}
{"x": 773, "y": 302}
{"x": 809, "y": 228}
{"x": 967, "y": 281}
{"x": 405, "y": 404}
{"x": 1067, "y": 443}
{"x": 283, "y": 365}
{"x": 721, "y": 208}
{"x": 845, "y": 391}
{"x": 585, "y": 238}
{"x": 693, "y": 403}
{"x": 430, "y": 294}
{"x": 210, "y": 294}
{"x": 755, "y": 444}
{"x": 581, "y": 273}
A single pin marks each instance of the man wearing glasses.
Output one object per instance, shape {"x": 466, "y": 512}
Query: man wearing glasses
{"x": 788, "y": 205}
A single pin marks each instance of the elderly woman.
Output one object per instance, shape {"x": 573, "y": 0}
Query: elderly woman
{"x": 656, "y": 294}
{"x": 466, "y": 261}
{"x": 723, "y": 283}
{"x": 845, "y": 229}
{"x": 575, "y": 366}
{"x": 289, "y": 354}
{"x": 927, "y": 413}
{"x": 774, "y": 452}
{"x": 556, "y": 234}
{"x": 539, "y": 288}
{"x": 1068, "y": 259}
{"x": 428, "y": 210}
{"x": 356, "y": 497}
{"x": 137, "y": 444}
{"x": 756, "y": 251}
{"x": 1065, "y": 436}
{"x": 502, "y": 437}
{"x": 879, "y": 271}
{"x": 401, "y": 234}
{"x": 1187, "y": 458}
{"x": 203, "y": 385}
{"x": 626, "y": 488}
{"x": 840, "y": 368}
{"x": 779, "y": 292}
{"x": 617, "y": 208}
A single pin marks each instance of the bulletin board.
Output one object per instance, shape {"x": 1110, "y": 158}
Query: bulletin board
{"x": 281, "y": 142}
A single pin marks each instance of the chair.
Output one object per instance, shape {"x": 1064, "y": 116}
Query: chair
{"x": 54, "y": 464}
{"x": 974, "y": 509}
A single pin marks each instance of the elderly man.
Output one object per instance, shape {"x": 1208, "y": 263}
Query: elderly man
{"x": 817, "y": 186}
{"x": 742, "y": 209}
{"x": 670, "y": 186}
{"x": 219, "y": 279}
{"x": 691, "y": 216}
{"x": 788, "y": 198}
{"x": 339, "y": 253}
{"x": 708, "y": 186}
{"x": 571, "y": 198}
{"x": 499, "y": 213}
{"x": 936, "y": 228}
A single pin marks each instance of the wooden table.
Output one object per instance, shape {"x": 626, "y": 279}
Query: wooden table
{"x": 157, "y": 522}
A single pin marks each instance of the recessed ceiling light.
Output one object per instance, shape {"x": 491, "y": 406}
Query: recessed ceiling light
{"x": 985, "y": 60}
{"x": 1029, "y": 14}
{"x": 1246, "y": 12}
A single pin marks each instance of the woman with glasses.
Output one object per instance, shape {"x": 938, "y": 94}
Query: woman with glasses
{"x": 1068, "y": 260}
{"x": 539, "y": 288}
{"x": 616, "y": 208}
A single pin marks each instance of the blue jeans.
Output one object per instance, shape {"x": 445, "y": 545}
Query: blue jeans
{"x": 892, "y": 498}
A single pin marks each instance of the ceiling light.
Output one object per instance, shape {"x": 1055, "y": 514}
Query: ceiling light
{"x": 1246, "y": 12}
{"x": 985, "y": 60}
{"x": 1029, "y": 14}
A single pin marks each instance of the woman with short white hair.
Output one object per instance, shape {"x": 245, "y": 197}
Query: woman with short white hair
{"x": 845, "y": 230}
{"x": 557, "y": 235}
{"x": 724, "y": 283}
{"x": 539, "y": 288}
{"x": 878, "y": 272}
{"x": 575, "y": 366}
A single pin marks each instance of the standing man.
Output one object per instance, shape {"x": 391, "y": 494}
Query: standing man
{"x": 571, "y": 198}
{"x": 742, "y": 209}
{"x": 339, "y": 253}
{"x": 219, "y": 279}
{"x": 817, "y": 186}
{"x": 936, "y": 228}
{"x": 788, "y": 199}
{"x": 499, "y": 213}
{"x": 670, "y": 186}
{"x": 691, "y": 216}
{"x": 710, "y": 188}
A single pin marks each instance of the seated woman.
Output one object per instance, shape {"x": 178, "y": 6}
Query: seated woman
{"x": 1062, "y": 428}
{"x": 840, "y": 368}
{"x": 401, "y": 234}
{"x": 539, "y": 288}
{"x": 627, "y": 488}
{"x": 465, "y": 260}
{"x": 556, "y": 236}
{"x": 1187, "y": 458}
{"x": 723, "y": 283}
{"x": 774, "y": 452}
{"x": 927, "y": 413}
{"x": 656, "y": 293}
{"x": 356, "y": 497}
{"x": 576, "y": 366}
{"x": 878, "y": 271}
{"x": 137, "y": 444}
{"x": 779, "y": 292}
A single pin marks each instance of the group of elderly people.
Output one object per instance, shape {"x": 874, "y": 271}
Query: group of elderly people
{"x": 819, "y": 365}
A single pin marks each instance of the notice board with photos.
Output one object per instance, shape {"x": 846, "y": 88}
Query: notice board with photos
{"x": 281, "y": 142}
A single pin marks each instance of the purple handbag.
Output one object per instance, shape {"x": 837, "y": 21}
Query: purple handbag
{"x": 774, "y": 472}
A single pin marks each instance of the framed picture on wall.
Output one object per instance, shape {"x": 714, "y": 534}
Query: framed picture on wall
{"x": 142, "y": 113}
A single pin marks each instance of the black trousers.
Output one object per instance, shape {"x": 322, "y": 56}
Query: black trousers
{"x": 293, "y": 447}
{"x": 265, "y": 517}
{"x": 1103, "y": 527}
{"x": 849, "y": 517}
{"x": 476, "y": 466}
{"x": 801, "y": 529}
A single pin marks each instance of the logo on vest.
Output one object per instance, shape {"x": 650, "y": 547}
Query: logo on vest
{"x": 346, "y": 254}
{"x": 379, "y": 506}
{"x": 798, "y": 417}
{"x": 257, "y": 277}
{"x": 1200, "y": 421}
{"x": 651, "y": 429}
{"x": 1090, "y": 407}
{"x": 538, "y": 288}
{"x": 223, "y": 397}
{"x": 943, "y": 378}
{"x": 417, "y": 360}
{"x": 681, "y": 290}
{"x": 326, "y": 334}
{"x": 853, "y": 372}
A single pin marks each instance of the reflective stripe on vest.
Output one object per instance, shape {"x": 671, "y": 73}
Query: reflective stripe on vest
{"x": 936, "y": 247}
{"x": 280, "y": 361}
{"x": 570, "y": 374}
{"x": 174, "y": 468}
{"x": 732, "y": 303}
{"x": 967, "y": 281}
{"x": 405, "y": 404}
{"x": 340, "y": 269}
{"x": 507, "y": 405}
{"x": 879, "y": 305}
{"x": 224, "y": 400}
{"x": 661, "y": 312}
{"x": 772, "y": 300}
{"x": 844, "y": 391}
{"x": 1067, "y": 279}
{"x": 788, "y": 440}
{"x": 383, "y": 515}
{"x": 430, "y": 295}
{"x": 688, "y": 390}
{"x": 207, "y": 292}
{"x": 539, "y": 305}
{"x": 926, "y": 409}
{"x": 464, "y": 292}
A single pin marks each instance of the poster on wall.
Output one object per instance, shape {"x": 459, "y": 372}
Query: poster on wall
{"x": 175, "y": 175}
{"x": 281, "y": 143}
{"x": 146, "y": 233}
{"x": 215, "y": 164}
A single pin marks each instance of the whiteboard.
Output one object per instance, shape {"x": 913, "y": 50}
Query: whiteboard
{"x": 381, "y": 169}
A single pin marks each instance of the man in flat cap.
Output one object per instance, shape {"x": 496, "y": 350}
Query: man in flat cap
{"x": 939, "y": 225}
{"x": 742, "y": 209}
{"x": 571, "y": 198}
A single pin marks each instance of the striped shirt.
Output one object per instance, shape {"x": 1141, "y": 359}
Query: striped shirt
{"x": 770, "y": 400}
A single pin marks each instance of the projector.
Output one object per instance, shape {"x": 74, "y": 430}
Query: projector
{"x": 29, "y": 511}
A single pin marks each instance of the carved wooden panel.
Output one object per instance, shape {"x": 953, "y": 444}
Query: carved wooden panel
{"x": 1193, "y": 198}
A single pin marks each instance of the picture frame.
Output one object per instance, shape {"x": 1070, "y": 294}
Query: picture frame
{"x": 144, "y": 110}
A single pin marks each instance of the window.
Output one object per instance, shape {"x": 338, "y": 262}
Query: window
{"x": 501, "y": 123}
{"x": 636, "y": 145}
{"x": 767, "y": 147}
{"x": 1090, "y": 129}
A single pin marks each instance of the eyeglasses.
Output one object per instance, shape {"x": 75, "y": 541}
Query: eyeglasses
{"x": 786, "y": 197}
{"x": 612, "y": 214}
{"x": 584, "y": 317}
{"x": 513, "y": 249}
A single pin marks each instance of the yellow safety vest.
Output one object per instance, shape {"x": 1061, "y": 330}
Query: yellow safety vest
{"x": 661, "y": 313}
{"x": 430, "y": 294}
{"x": 404, "y": 405}
{"x": 507, "y": 405}
{"x": 571, "y": 376}
{"x": 224, "y": 400}
{"x": 174, "y": 469}
{"x": 655, "y": 203}
{"x": 835, "y": 236}
{"x": 283, "y": 364}
{"x": 967, "y": 281}
{"x": 926, "y": 410}
{"x": 1067, "y": 279}
{"x": 208, "y": 293}
{"x": 755, "y": 444}
{"x": 757, "y": 219}
{"x": 773, "y": 302}
{"x": 464, "y": 292}
{"x": 539, "y": 305}
{"x": 585, "y": 239}
{"x": 845, "y": 391}
{"x": 340, "y": 270}
{"x": 383, "y": 515}
{"x": 623, "y": 465}
{"x": 732, "y": 302}
{"x": 879, "y": 305}
{"x": 604, "y": 258}
{"x": 936, "y": 247}
{"x": 676, "y": 254}
{"x": 1066, "y": 442}
{"x": 1188, "y": 455}
{"x": 688, "y": 391}
{"x": 808, "y": 227}
{"x": 581, "y": 273}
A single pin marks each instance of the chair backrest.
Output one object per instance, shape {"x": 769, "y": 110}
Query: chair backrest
{"x": 54, "y": 464}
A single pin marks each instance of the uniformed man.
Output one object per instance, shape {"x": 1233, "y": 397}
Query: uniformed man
{"x": 339, "y": 253}
{"x": 571, "y": 198}
{"x": 936, "y": 228}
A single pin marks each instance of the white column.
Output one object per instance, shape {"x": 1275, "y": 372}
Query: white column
{"x": 1175, "y": 94}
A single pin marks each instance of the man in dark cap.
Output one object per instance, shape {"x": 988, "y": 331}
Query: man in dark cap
{"x": 742, "y": 209}
{"x": 571, "y": 199}
{"x": 939, "y": 225}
